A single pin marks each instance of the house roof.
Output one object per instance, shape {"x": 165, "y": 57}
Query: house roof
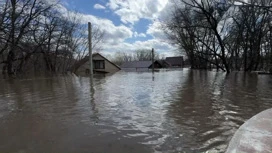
{"x": 163, "y": 62}
{"x": 174, "y": 60}
{"x": 137, "y": 64}
{"x": 107, "y": 60}
{"x": 86, "y": 59}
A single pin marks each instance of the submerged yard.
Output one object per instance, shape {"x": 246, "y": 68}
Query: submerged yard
{"x": 171, "y": 111}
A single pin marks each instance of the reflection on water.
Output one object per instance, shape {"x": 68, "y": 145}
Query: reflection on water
{"x": 129, "y": 112}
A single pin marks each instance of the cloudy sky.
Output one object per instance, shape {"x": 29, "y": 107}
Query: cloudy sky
{"x": 128, "y": 24}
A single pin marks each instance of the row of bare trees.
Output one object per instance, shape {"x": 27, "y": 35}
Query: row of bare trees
{"x": 138, "y": 55}
{"x": 227, "y": 35}
{"x": 36, "y": 37}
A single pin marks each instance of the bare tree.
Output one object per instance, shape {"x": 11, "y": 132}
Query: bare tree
{"x": 138, "y": 55}
{"x": 19, "y": 17}
{"x": 221, "y": 34}
{"x": 120, "y": 57}
{"x": 195, "y": 27}
{"x": 144, "y": 55}
{"x": 35, "y": 36}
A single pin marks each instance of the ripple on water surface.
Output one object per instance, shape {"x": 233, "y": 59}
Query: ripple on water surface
{"x": 169, "y": 111}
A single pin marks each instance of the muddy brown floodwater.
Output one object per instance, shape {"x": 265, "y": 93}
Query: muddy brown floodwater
{"x": 172, "y": 111}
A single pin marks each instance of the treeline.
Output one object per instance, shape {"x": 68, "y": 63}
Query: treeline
{"x": 227, "y": 35}
{"x": 36, "y": 37}
{"x": 138, "y": 55}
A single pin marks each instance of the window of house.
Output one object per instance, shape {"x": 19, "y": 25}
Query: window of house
{"x": 99, "y": 64}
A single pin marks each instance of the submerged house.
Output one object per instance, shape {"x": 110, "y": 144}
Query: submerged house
{"x": 164, "y": 64}
{"x": 140, "y": 65}
{"x": 175, "y": 61}
{"x": 100, "y": 65}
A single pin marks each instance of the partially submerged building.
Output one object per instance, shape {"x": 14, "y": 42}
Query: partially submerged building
{"x": 100, "y": 65}
{"x": 164, "y": 64}
{"x": 175, "y": 62}
{"x": 169, "y": 62}
{"x": 140, "y": 65}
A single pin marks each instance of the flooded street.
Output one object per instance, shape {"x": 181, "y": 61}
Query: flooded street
{"x": 172, "y": 111}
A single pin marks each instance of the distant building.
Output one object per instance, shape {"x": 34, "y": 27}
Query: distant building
{"x": 139, "y": 65}
{"x": 164, "y": 63}
{"x": 100, "y": 65}
{"x": 175, "y": 61}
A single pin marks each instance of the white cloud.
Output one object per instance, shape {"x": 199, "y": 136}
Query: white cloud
{"x": 116, "y": 35}
{"x": 132, "y": 11}
{"x": 141, "y": 35}
{"x": 99, "y": 7}
{"x": 156, "y": 30}
{"x": 113, "y": 4}
{"x": 113, "y": 34}
{"x": 136, "y": 34}
{"x": 159, "y": 46}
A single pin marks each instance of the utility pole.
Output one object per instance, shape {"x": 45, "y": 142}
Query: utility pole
{"x": 90, "y": 47}
{"x": 152, "y": 54}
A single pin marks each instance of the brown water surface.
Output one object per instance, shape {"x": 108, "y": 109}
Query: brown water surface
{"x": 172, "y": 111}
